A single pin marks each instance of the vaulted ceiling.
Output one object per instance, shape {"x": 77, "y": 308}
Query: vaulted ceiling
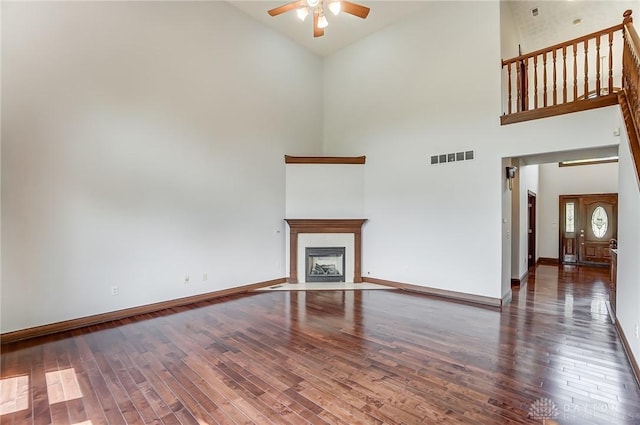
{"x": 553, "y": 23}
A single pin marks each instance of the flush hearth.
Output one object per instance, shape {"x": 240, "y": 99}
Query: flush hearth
{"x": 325, "y": 264}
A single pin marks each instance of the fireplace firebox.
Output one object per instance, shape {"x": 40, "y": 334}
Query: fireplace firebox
{"x": 326, "y": 264}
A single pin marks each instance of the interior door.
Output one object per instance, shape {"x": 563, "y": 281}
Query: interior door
{"x": 598, "y": 225}
{"x": 587, "y": 224}
{"x": 531, "y": 245}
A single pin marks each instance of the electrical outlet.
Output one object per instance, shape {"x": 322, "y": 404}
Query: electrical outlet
{"x": 116, "y": 291}
{"x": 186, "y": 279}
{"x": 637, "y": 336}
{"x": 205, "y": 276}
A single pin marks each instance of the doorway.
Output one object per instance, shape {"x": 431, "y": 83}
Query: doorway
{"x": 587, "y": 224}
{"x": 531, "y": 229}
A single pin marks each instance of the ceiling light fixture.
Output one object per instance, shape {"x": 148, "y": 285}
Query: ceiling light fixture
{"x": 302, "y": 13}
{"x": 322, "y": 20}
{"x": 317, "y": 7}
{"x": 335, "y": 7}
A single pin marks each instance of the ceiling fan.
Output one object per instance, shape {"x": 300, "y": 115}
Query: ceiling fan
{"x": 304, "y": 7}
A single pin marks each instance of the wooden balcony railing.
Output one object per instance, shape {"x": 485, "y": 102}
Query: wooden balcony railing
{"x": 629, "y": 96}
{"x": 580, "y": 74}
{"x": 568, "y": 78}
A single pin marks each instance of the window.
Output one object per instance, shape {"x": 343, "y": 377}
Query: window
{"x": 599, "y": 222}
{"x": 570, "y": 225}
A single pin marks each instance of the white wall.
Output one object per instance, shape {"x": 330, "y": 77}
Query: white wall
{"x": 628, "y": 294}
{"x": 509, "y": 35}
{"x": 528, "y": 182}
{"x": 507, "y": 194}
{"x": 141, "y": 142}
{"x": 556, "y": 181}
{"x": 324, "y": 191}
{"x": 400, "y": 96}
{"x": 510, "y": 39}
{"x": 154, "y": 144}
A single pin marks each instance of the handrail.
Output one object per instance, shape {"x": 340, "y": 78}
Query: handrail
{"x": 630, "y": 100}
{"x": 565, "y": 77}
{"x": 564, "y": 43}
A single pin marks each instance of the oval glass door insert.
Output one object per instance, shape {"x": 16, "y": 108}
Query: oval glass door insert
{"x": 599, "y": 222}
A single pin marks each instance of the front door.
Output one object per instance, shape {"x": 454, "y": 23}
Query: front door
{"x": 588, "y": 223}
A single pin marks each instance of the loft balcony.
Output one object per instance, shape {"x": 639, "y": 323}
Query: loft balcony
{"x": 593, "y": 71}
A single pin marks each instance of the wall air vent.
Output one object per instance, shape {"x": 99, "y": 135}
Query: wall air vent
{"x": 452, "y": 157}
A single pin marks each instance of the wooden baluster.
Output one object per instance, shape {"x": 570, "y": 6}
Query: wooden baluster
{"x": 625, "y": 54}
{"x": 535, "y": 82}
{"x": 564, "y": 74}
{"x": 555, "y": 78}
{"x": 544, "y": 65}
{"x": 611, "y": 62}
{"x": 586, "y": 69}
{"x": 525, "y": 86}
{"x": 575, "y": 72}
{"x": 598, "y": 66}
{"x": 518, "y": 84}
{"x": 509, "y": 85}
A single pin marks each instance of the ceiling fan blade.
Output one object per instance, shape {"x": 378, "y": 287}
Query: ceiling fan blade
{"x": 284, "y": 8}
{"x": 317, "y": 31}
{"x": 355, "y": 9}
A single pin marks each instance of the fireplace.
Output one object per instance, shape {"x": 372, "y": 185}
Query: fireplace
{"x": 325, "y": 232}
{"x": 324, "y": 264}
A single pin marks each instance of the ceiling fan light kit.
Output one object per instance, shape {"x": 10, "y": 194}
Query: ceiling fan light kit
{"x": 335, "y": 6}
{"x": 303, "y": 7}
{"x": 322, "y": 21}
{"x": 302, "y": 13}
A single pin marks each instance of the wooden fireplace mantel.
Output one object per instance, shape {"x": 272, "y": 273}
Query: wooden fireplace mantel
{"x": 301, "y": 225}
{"x": 288, "y": 159}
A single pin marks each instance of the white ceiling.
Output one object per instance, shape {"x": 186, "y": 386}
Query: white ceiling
{"x": 553, "y": 24}
{"x": 343, "y": 29}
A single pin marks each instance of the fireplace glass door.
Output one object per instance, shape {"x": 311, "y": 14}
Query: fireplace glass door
{"x": 325, "y": 264}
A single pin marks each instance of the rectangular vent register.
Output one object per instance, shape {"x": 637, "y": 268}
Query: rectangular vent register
{"x": 452, "y": 157}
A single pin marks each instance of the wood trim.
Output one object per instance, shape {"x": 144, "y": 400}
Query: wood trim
{"x": 440, "y": 293}
{"x": 565, "y": 108}
{"x": 562, "y": 236}
{"x": 95, "y": 319}
{"x": 563, "y": 44}
{"x": 518, "y": 282}
{"x": 627, "y": 350}
{"x": 590, "y": 162}
{"x": 633, "y": 132}
{"x": 288, "y": 159}
{"x": 297, "y": 226}
{"x": 548, "y": 261}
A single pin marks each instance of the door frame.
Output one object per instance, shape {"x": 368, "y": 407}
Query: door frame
{"x": 531, "y": 229}
{"x": 561, "y": 224}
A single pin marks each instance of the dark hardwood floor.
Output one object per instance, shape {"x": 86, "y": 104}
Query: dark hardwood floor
{"x": 332, "y": 357}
